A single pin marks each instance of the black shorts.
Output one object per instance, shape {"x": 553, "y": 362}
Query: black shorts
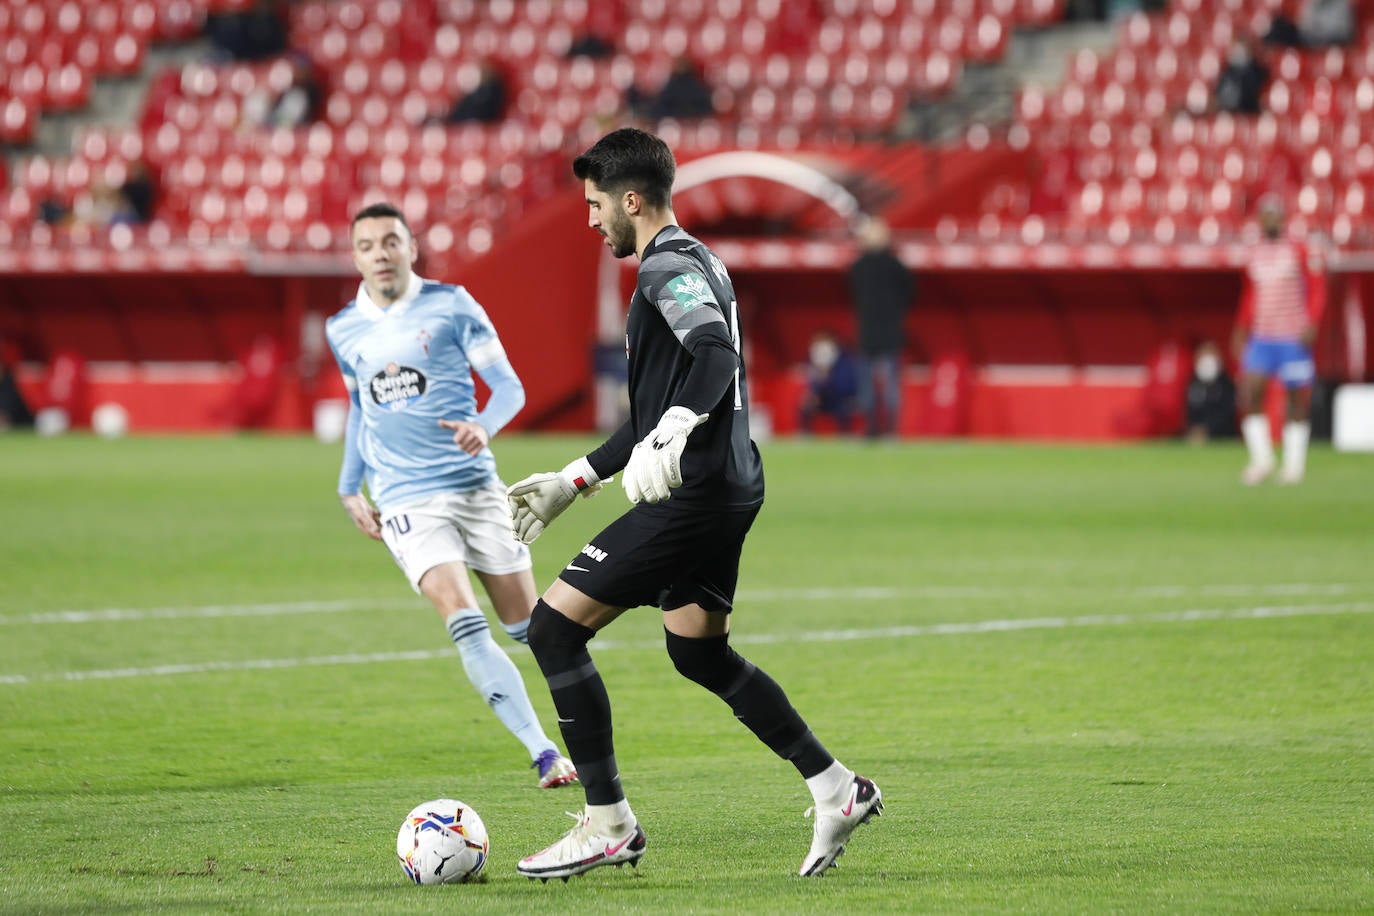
{"x": 668, "y": 554}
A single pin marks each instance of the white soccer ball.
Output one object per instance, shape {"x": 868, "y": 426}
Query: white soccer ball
{"x": 110, "y": 420}
{"x": 442, "y": 842}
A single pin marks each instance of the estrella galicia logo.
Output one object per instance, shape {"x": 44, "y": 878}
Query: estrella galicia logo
{"x": 396, "y": 386}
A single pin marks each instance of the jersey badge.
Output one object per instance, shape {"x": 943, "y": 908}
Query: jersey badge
{"x": 397, "y": 386}
{"x": 690, "y": 290}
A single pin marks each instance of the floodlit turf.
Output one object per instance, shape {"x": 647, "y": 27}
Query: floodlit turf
{"x": 1087, "y": 680}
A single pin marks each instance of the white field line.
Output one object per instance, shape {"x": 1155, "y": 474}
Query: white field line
{"x": 744, "y": 596}
{"x": 1262, "y": 612}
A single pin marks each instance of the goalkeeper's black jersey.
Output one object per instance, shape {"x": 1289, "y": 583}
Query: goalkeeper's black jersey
{"x": 683, "y": 299}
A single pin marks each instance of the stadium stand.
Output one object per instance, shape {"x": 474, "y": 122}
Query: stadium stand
{"x": 1122, "y": 166}
{"x": 826, "y": 75}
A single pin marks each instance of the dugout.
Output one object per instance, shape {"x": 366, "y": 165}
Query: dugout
{"x": 1061, "y": 337}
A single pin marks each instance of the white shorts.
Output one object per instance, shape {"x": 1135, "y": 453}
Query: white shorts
{"x": 473, "y": 528}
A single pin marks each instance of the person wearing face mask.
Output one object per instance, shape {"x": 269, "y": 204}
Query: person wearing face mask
{"x": 1241, "y": 82}
{"x": 832, "y": 383}
{"x": 1211, "y": 397}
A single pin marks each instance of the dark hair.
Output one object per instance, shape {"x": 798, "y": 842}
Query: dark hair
{"x": 380, "y": 211}
{"x": 630, "y": 159}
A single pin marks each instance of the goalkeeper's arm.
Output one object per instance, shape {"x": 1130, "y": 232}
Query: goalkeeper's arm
{"x": 540, "y": 498}
{"x": 655, "y": 464}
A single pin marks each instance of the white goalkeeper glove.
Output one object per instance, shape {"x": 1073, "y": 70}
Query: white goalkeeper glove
{"x": 655, "y": 465}
{"x": 540, "y": 498}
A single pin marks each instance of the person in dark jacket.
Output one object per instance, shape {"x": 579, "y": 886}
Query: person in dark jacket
{"x": 14, "y": 411}
{"x": 1240, "y": 86}
{"x": 881, "y": 290}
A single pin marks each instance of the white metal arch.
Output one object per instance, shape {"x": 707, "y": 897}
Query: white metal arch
{"x": 716, "y": 167}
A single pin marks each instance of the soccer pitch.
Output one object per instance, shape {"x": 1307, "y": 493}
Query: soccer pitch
{"x": 1088, "y": 679}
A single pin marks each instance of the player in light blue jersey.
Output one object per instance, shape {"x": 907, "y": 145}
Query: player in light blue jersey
{"x": 407, "y": 348}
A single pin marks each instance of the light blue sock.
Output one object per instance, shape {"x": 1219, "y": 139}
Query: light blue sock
{"x": 496, "y": 678}
{"x": 520, "y": 632}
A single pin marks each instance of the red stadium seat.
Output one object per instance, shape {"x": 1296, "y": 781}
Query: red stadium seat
{"x": 68, "y": 88}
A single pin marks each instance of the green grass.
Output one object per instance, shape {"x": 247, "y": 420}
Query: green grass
{"x": 1087, "y": 679}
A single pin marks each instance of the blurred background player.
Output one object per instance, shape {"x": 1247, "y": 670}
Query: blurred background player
{"x": 407, "y": 348}
{"x": 688, "y": 438}
{"x": 1280, "y": 308}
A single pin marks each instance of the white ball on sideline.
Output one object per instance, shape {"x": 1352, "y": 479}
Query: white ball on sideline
{"x": 51, "y": 421}
{"x": 331, "y": 420}
{"x": 110, "y": 420}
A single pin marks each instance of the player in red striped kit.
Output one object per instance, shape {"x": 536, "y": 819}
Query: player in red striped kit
{"x": 1280, "y": 309}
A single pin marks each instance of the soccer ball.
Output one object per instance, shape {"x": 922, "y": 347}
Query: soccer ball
{"x": 442, "y": 842}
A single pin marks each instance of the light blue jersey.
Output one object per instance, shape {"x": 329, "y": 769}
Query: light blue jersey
{"x": 408, "y": 366}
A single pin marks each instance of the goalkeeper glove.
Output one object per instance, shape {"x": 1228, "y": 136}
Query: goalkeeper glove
{"x": 540, "y": 498}
{"x": 655, "y": 465}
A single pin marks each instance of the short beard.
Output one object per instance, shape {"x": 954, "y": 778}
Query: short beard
{"x": 621, "y": 235}
{"x": 390, "y": 292}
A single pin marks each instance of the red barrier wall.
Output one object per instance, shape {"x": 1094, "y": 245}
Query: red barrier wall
{"x": 540, "y": 292}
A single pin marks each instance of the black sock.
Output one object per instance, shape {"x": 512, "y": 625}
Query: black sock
{"x": 579, "y": 695}
{"x": 755, "y": 698}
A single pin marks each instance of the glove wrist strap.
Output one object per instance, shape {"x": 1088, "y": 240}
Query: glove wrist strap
{"x": 579, "y": 475}
{"x": 681, "y": 416}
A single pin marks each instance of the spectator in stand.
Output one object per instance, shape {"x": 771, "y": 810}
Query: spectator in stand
{"x": 484, "y": 103}
{"x": 98, "y": 207}
{"x": 53, "y": 212}
{"x": 1280, "y": 309}
{"x": 295, "y": 106}
{"x": 881, "y": 290}
{"x": 1211, "y": 397}
{"x": 605, "y": 22}
{"x": 138, "y": 193}
{"x": 832, "y": 383}
{"x": 1324, "y": 23}
{"x": 1283, "y": 29}
{"x": 104, "y": 205}
{"x": 253, "y": 34}
{"x": 590, "y": 44}
{"x": 1241, "y": 81}
{"x": 684, "y": 94}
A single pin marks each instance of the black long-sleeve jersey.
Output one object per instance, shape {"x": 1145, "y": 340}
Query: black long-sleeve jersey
{"x": 682, "y": 340}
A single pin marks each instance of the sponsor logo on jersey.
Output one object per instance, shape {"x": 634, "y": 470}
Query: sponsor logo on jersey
{"x": 595, "y": 553}
{"x": 396, "y": 386}
{"x": 690, "y": 290}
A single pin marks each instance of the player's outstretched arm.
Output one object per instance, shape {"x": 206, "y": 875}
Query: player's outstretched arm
{"x": 540, "y": 498}
{"x": 365, "y": 516}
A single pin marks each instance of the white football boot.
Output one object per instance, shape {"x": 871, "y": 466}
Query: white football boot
{"x": 582, "y": 849}
{"x": 835, "y": 826}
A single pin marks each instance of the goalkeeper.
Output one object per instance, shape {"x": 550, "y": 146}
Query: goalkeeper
{"x": 696, "y": 484}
